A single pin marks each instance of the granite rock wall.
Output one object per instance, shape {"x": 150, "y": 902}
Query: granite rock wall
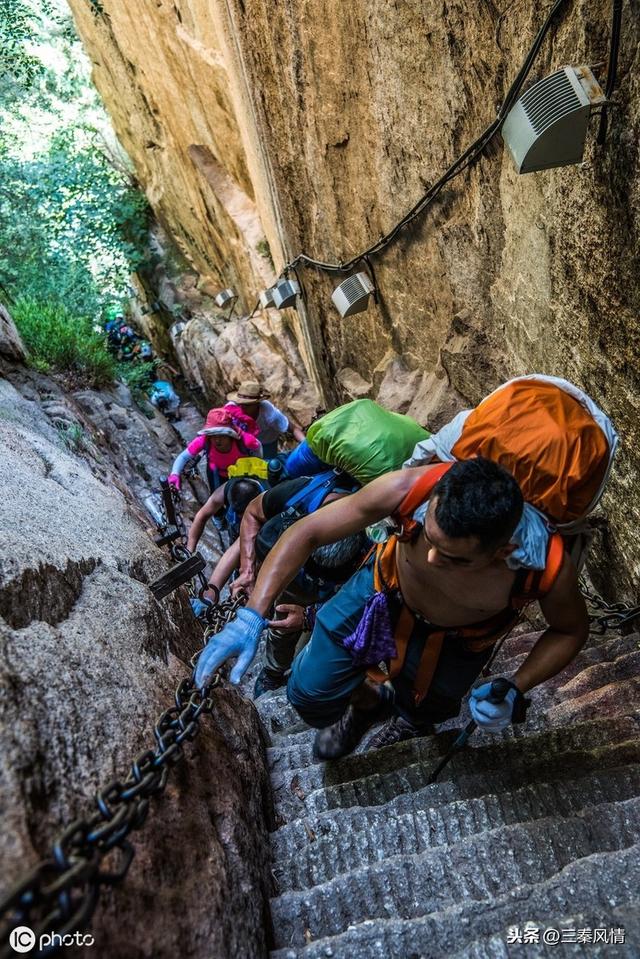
{"x": 327, "y": 121}
{"x": 89, "y": 660}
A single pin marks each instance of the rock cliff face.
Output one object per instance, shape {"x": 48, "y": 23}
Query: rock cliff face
{"x": 89, "y": 660}
{"x": 320, "y": 124}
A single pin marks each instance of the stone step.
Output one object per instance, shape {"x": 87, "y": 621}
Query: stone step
{"x": 598, "y": 649}
{"x": 282, "y": 720}
{"x": 293, "y": 750}
{"x": 591, "y": 936}
{"x": 590, "y": 886}
{"x": 507, "y": 763}
{"x": 276, "y": 712}
{"x": 478, "y": 868}
{"x": 620, "y": 697}
{"x": 297, "y": 755}
{"x": 314, "y": 850}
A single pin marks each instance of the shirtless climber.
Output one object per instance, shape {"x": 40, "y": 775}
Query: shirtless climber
{"x": 453, "y": 572}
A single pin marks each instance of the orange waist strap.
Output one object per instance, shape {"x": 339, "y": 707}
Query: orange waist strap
{"x": 481, "y": 635}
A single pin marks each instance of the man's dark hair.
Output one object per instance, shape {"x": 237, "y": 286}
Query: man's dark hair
{"x": 241, "y": 491}
{"x": 478, "y": 498}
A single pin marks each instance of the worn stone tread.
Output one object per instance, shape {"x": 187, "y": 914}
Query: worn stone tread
{"x": 298, "y": 755}
{"x": 313, "y": 850}
{"x": 477, "y": 868}
{"x": 591, "y": 886}
{"x": 498, "y": 947}
{"x": 472, "y": 773}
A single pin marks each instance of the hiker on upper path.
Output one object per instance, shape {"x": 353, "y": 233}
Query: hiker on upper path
{"x": 427, "y": 607}
{"x": 272, "y": 422}
{"x": 225, "y": 438}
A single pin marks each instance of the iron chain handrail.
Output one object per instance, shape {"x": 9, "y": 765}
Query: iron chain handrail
{"x": 59, "y": 895}
{"x": 607, "y": 615}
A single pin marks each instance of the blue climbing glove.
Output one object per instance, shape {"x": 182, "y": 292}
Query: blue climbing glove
{"x": 199, "y": 606}
{"x": 495, "y": 705}
{"x": 238, "y": 638}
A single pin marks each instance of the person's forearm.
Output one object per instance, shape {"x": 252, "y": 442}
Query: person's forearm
{"x": 298, "y": 434}
{"x": 225, "y": 566}
{"x": 249, "y": 531}
{"x": 197, "y": 527}
{"x": 280, "y": 567}
{"x": 180, "y": 462}
{"x": 549, "y": 656}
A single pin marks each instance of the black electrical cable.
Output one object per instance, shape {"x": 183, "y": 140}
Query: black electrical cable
{"x": 466, "y": 159}
{"x": 612, "y": 69}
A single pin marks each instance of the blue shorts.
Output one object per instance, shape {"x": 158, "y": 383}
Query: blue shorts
{"x": 323, "y": 675}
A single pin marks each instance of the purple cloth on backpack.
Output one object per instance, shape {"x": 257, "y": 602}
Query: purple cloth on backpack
{"x": 372, "y": 640}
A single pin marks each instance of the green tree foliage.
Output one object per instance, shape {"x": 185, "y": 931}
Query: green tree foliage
{"x": 73, "y": 224}
{"x": 58, "y": 339}
{"x": 71, "y": 227}
{"x": 18, "y": 29}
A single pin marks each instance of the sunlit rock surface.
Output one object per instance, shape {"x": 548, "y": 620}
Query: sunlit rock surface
{"x": 326, "y": 122}
{"x": 88, "y": 661}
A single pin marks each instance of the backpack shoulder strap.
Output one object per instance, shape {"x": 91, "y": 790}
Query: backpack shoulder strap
{"x": 312, "y": 495}
{"x": 417, "y": 495}
{"x": 538, "y": 582}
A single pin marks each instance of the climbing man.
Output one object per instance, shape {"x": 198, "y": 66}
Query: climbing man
{"x": 272, "y": 422}
{"x": 233, "y": 497}
{"x": 424, "y": 611}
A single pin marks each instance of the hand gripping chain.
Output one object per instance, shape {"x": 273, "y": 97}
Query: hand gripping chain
{"x": 60, "y": 894}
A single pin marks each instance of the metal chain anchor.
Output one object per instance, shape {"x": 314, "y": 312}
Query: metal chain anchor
{"x": 607, "y": 615}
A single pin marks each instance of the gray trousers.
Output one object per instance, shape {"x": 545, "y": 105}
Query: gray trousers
{"x": 281, "y": 645}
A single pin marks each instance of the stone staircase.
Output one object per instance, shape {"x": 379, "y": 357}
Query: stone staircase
{"x": 538, "y": 824}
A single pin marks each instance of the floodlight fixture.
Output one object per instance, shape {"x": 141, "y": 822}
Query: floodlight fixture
{"x": 266, "y": 298}
{"x": 225, "y": 298}
{"x": 547, "y": 126}
{"x": 352, "y": 295}
{"x": 285, "y": 293}
{"x": 177, "y": 329}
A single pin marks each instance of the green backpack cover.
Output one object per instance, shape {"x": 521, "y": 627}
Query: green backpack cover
{"x": 364, "y": 439}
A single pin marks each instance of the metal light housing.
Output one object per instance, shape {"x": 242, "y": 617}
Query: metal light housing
{"x": 547, "y": 126}
{"x": 352, "y": 295}
{"x": 177, "y": 329}
{"x": 285, "y": 293}
{"x": 266, "y": 298}
{"x": 225, "y": 298}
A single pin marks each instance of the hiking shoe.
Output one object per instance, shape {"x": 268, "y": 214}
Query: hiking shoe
{"x": 343, "y": 737}
{"x": 397, "y": 730}
{"x": 266, "y": 682}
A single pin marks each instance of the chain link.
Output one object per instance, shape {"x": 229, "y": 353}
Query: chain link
{"x": 604, "y": 615}
{"x": 59, "y": 895}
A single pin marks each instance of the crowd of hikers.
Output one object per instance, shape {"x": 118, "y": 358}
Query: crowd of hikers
{"x": 385, "y": 563}
{"x": 127, "y": 346}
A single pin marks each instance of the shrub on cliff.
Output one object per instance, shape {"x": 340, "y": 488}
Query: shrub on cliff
{"x": 61, "y": 341}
